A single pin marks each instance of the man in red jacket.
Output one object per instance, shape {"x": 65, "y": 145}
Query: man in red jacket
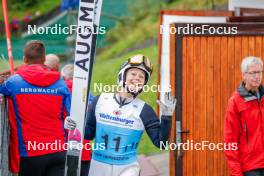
{"x": 38, "y": 99}
{"x": 244, "y": 122}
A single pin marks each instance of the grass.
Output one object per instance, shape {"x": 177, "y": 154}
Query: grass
{"x": 147, "y": 30}
{"x": 139, "y": 28}
{"x": 4, "y": 64}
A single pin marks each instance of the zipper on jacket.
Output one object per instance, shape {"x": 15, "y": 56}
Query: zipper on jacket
{"x": 259, "y": 108}
{"x": 260, "y": 112}
{"x": 246, "y": 130}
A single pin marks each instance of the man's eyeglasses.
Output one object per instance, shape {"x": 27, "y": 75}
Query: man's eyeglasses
{"x": 253, "y": 73}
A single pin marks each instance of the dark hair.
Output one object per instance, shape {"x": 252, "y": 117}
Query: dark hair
{"x": 34, "y": 50}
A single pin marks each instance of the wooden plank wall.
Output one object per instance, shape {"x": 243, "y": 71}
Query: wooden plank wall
{"x": 172, "y": 63}
{"x": 210, "y": 73}
{"x": 172, "y": 81}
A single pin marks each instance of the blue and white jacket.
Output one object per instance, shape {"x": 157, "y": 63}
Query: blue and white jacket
{"x": 120, "y": 127}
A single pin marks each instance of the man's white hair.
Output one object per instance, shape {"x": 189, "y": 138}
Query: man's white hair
{"x": 51, "y": 60}
{"x": 67, "y": 71}
{"x": 249, "y": 61}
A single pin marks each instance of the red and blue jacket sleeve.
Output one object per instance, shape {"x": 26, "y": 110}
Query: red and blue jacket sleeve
{"x": 66, "y": 105}
{"x": 4, "y": 88}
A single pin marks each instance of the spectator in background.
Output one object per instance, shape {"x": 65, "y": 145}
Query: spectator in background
{"x": 27, "y": 18}
{"x": 67, "y": 75}
{"x": 53, "y": 61}
{"x": 244, "y": 122}
{"x": 15, "y": 25}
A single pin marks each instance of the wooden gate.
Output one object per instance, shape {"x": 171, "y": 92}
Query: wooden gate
{"x": 205, "y": 70}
